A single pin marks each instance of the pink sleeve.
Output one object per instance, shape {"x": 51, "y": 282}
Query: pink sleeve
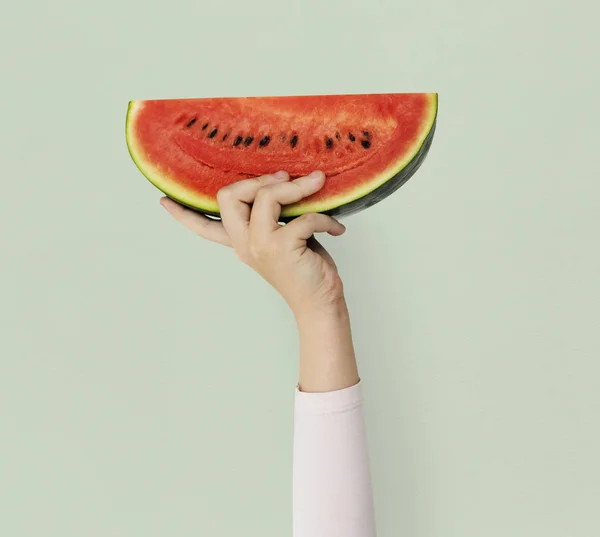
{"x": 332, "y": 492}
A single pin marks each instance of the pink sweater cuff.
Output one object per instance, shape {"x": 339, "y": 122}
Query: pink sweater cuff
{"x": 328, "y": 402}
{"x": 331, "y": 477}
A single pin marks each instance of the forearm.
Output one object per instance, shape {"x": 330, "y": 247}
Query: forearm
{"x": 327, "y": 358}
{"x": 332, "y": 491}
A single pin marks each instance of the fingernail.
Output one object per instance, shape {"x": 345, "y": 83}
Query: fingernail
{"x": 280, "y": 174}
{"x": 316, "y": 174}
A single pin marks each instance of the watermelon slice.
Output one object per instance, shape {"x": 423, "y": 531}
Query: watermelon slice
{"x": 367, "y": 145}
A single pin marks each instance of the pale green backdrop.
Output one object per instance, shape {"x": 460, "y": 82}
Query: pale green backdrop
{"x": 146, "y": 377}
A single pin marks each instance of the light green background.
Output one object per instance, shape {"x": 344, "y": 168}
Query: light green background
{"x": 146, "y": 377}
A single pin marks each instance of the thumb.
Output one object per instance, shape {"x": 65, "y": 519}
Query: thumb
{"x": 305, "y": 226}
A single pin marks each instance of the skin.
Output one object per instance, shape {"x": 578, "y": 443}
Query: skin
{"x": 291, "y": 260}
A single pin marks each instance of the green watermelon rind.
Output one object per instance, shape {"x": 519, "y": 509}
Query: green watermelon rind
{"x": 365, "y": 195}
{"x": 180, "y": 195}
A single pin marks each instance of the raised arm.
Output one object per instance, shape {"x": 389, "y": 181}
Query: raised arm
{"x": 332, "y": 494}
{"x": 331, "y": 471}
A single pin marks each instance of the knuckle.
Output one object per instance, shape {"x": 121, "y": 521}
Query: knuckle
{"x": 264, "y": 179}
{"x": 263, "y": 248}
{"x": 225, "y": 193}
{"x": 266, "y": 193}
{"x": 258, "y": 251}
{"x": 310, "y": 218}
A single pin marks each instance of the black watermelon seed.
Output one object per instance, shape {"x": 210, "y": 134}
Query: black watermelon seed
{"x": 192, "y": 122}
{"x": 329, "y": 143}
{"x": 338, "y": 136}
{"x": 225, "y": 137}
{"x": 294, "y": 141}
{"x": 248, "y": 141}
{"x": 204, "y": 126}
{"x": 351, "y": 136}
{"x": 212, "y": 133}
{"x": 366, "y": 144}
{"x": 264, "y": 141}
{"x": 238, "y": 141}
{"x": 366, "y": 133}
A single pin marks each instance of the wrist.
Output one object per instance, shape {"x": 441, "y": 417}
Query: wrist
{"x": 321, "y": 312}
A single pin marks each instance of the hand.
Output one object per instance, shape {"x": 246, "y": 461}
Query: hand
{"x": 288, "y": 257}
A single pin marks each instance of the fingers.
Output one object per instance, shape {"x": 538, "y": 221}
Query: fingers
{"x": 255, "y": 205}
{"x": 234, "y": 203}
{"x": 213, "y": 230}
{"x": 269, "y": 200}
{"x": 305, "y": 226}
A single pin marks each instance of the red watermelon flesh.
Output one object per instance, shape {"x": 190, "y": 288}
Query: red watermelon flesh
{"x": 367, "y": 145}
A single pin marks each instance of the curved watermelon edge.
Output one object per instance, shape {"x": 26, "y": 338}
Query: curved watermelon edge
{"x": 155, "y": 176}
{"x": 384, "y": 190}
{"x": 379, "y": 188}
